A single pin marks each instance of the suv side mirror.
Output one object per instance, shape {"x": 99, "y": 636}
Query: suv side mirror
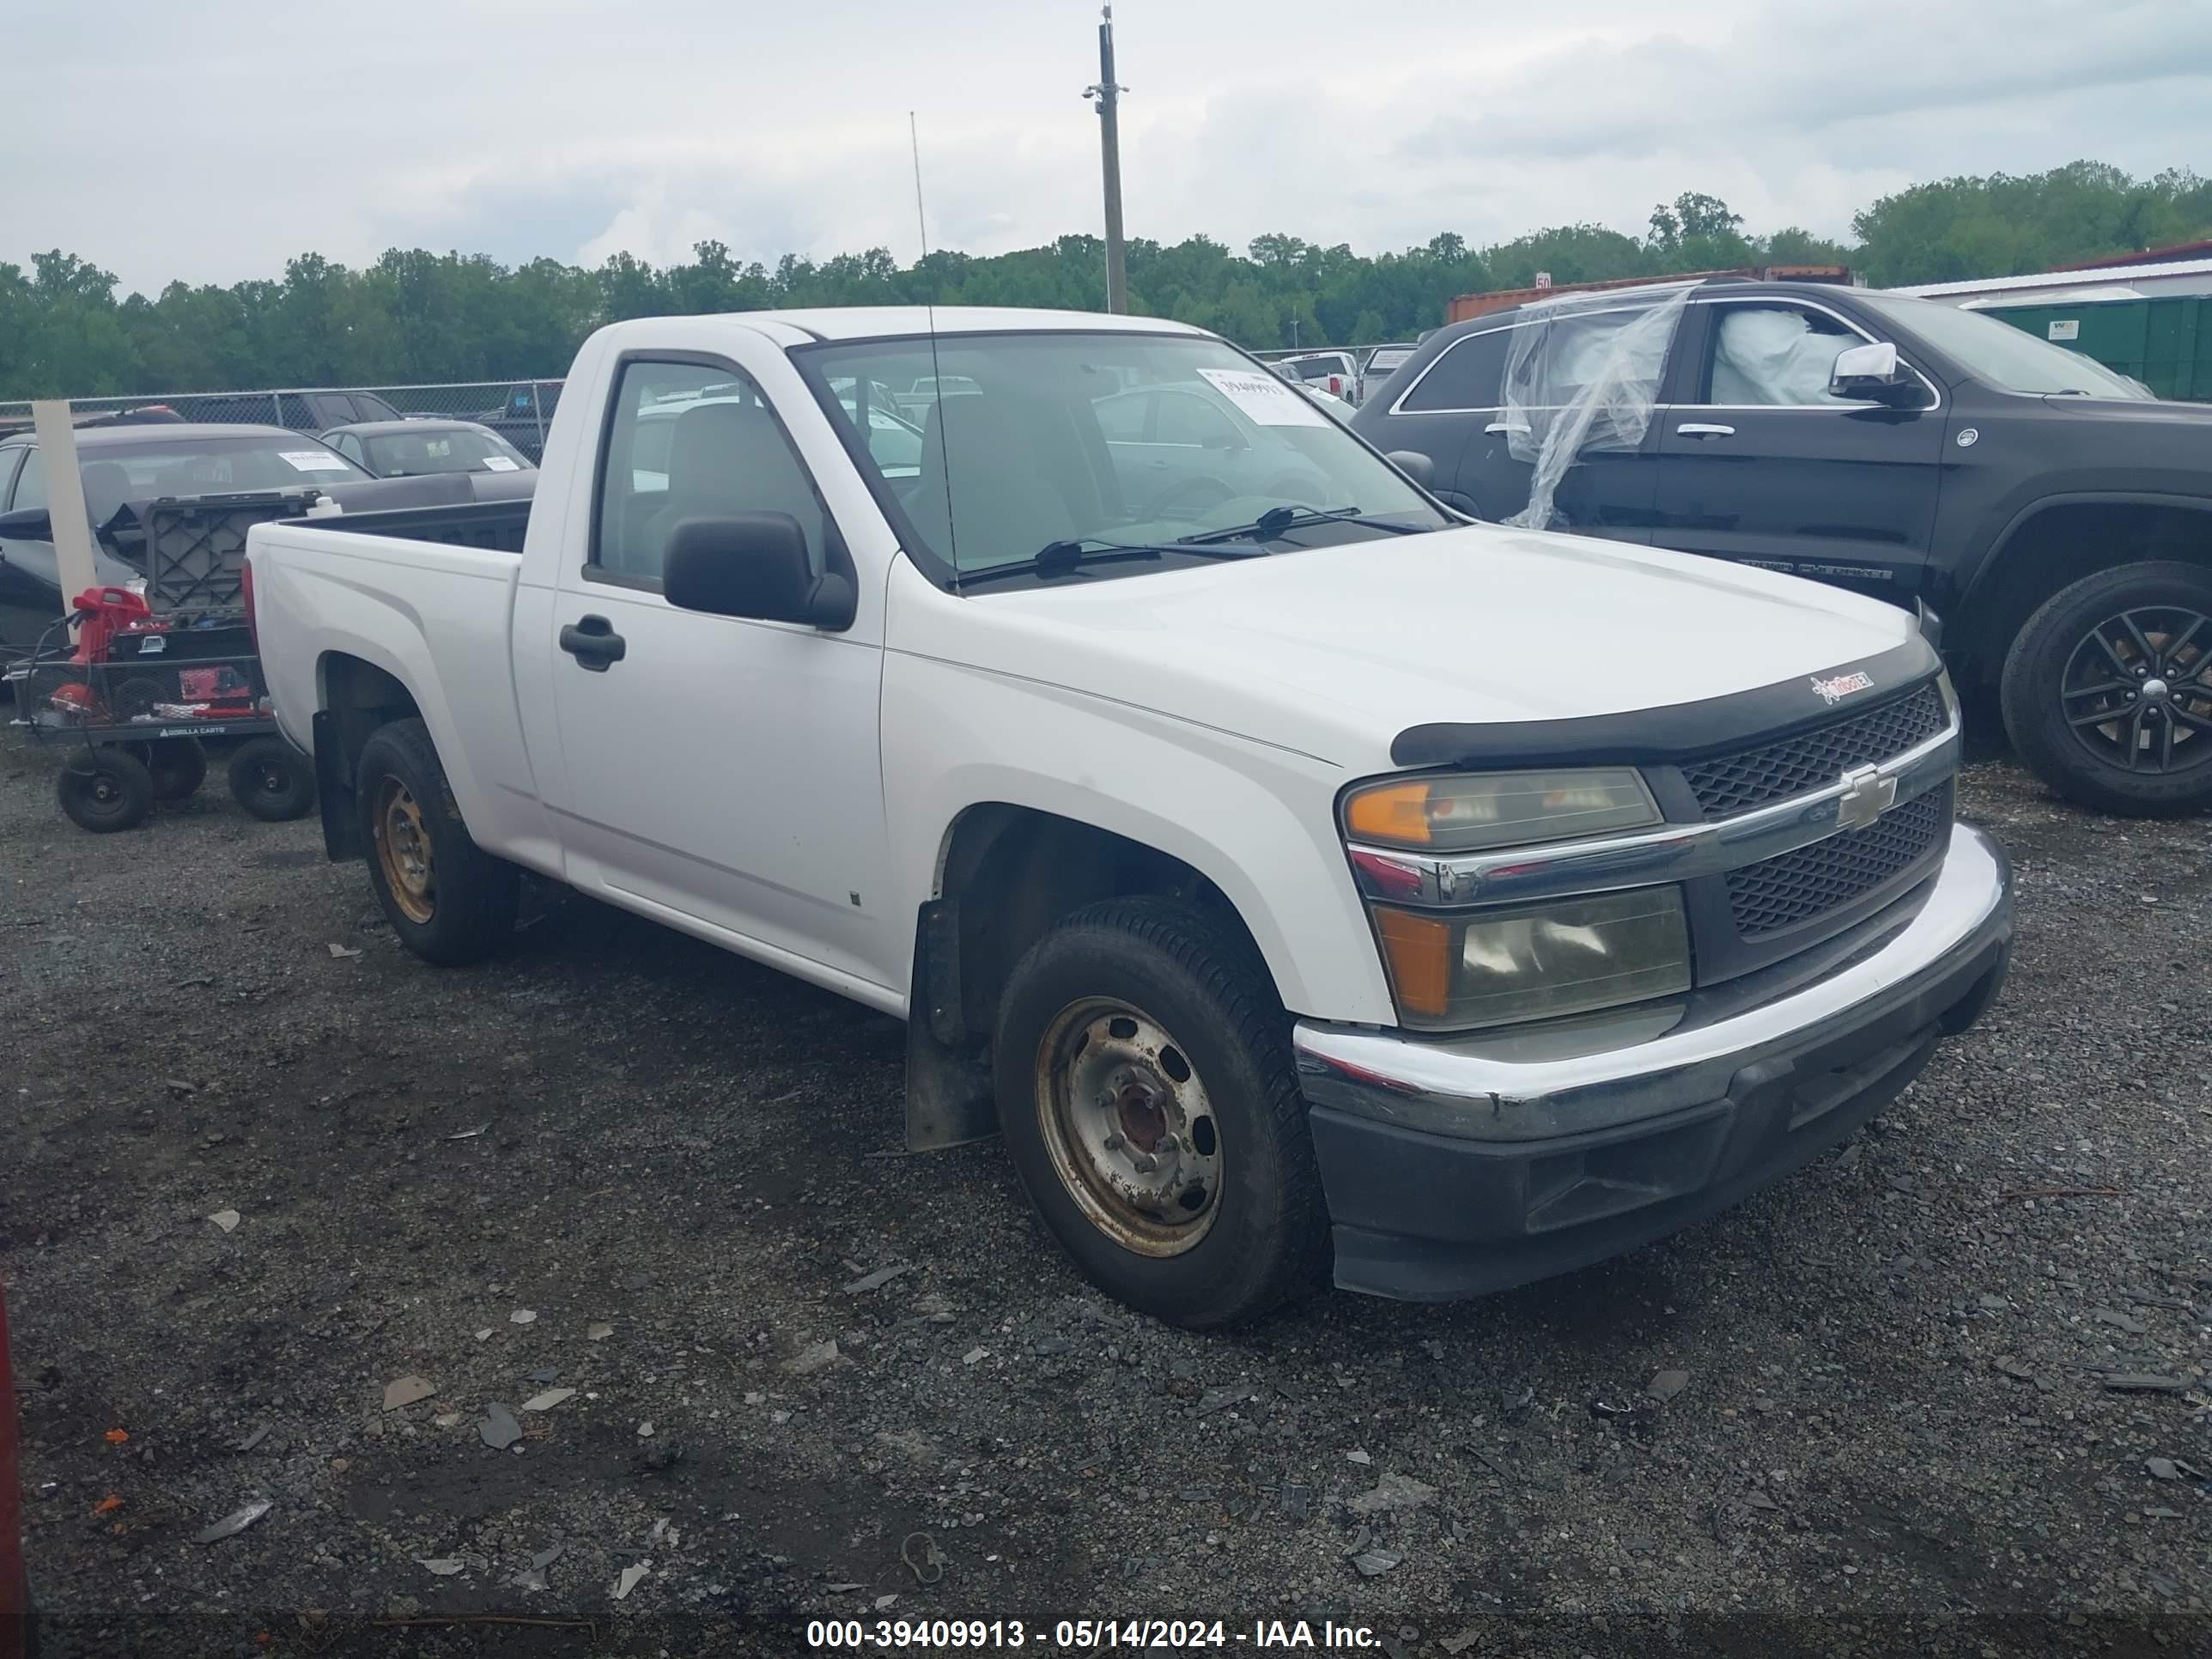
{"x": 755, "y": 565}
{"x": 1874, "y": 372}
{"x": 30, "y": 523}
{"x": 1415, "y": 465}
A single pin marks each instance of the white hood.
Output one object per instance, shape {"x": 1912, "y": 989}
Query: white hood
{"x": 1334, "y": 651}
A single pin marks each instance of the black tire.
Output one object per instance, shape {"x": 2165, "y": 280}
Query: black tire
{"x": 272, "y": 780}
{"x": 2050, "y": 718}
{"x": 105, "y": 790}
{"x": 1266, "y": 1240}
{"x": 467, "y": 908}
{"x": 179, "y": 766}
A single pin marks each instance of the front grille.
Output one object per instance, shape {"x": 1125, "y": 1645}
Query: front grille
{"x": 1728, "y": 784}
{"x": 1797, "y": 887}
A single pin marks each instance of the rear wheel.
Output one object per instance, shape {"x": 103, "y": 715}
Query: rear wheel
{"x": 449, "y": 901}
{"x": 105, "y": 789}
{"x": 2107, "y": 691}
{"x": 179, "y": 766}
{"x": 1149, "y": 1103}
{"x": 272, "y": 780}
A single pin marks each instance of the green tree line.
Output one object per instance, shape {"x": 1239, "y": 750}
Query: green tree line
{"x": 414, "y": 316}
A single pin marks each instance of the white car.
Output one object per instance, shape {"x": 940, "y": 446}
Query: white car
{"x": 1300, "y": 879}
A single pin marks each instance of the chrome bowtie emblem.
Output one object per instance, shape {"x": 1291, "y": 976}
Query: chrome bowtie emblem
{"x": 1867, "y": 796}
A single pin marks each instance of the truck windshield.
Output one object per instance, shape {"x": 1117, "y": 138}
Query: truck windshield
{"x": 2001, "y": 355}
{"x": 1107, "y": 440}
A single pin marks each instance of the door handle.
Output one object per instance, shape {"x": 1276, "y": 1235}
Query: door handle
{"x": 1704, "y": 430}
{"x": 592, "y": 641}
{"x": 1506, "y": 426}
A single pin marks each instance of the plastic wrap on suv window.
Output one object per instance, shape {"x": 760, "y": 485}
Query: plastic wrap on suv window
{"x": 1584, "y": 376}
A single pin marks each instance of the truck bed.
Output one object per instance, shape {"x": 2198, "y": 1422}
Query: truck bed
{"x": 496, "y": 526}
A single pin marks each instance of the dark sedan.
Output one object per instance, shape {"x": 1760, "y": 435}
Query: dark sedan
{"x": 416, "y": 449}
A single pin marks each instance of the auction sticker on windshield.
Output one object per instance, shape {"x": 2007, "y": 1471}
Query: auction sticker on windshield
{"x": 1264, "y": 397}
{"x": 499, "y": 464}
{"x": 314, "y": 460}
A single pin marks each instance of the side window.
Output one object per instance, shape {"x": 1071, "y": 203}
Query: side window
{"x": 1776, "y": 355}
{"x": 1192, "y": 421}
{"x": 692, "y": 442}
{"x": 293, "y": 410}
{"x": 1121, "y": 417}
{"x": 31, "y": 487}
{"x": 10, "y": 460}
{"x": 1466, "y": 376}
{"x": 350, "y": 447}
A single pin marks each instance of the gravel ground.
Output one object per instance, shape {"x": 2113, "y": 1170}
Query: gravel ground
{"x": 619, "y": 1163}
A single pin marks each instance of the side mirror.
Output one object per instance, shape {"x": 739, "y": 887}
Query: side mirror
{"x": 1415, "y": 465}
{"x": 31, "y": 524}
{"x": 1874, "y": 372}
{"x": 755, "y": 565}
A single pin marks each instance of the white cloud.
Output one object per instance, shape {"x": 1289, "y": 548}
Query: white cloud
{"x": 574, "y": 130}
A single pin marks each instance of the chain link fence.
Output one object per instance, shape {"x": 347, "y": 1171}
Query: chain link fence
{"x": 519, "y": 411}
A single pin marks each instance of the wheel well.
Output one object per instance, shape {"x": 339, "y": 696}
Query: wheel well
{"x": 2061, "y": 545}
{"x": 358, "y": 696}
{"x": 1008, "y": 873}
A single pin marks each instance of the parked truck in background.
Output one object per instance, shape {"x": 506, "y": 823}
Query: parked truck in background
{"x": 1300, "y": 878}
{"x": 2055, "y": 515}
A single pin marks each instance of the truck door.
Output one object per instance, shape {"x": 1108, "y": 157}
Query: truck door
{"x": 722, "y": 769}
{"x": 1758, "y": 462}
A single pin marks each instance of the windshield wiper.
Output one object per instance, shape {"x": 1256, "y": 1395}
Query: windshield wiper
{"x": 1276, "y": 520}
{"x": 1057, "y": 558}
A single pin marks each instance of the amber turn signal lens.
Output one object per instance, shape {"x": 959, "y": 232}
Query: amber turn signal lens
{"x": 1396, "y": 815}
{"x": 1419, "y": 949}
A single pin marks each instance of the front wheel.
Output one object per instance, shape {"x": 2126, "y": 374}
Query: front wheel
{"x": 2107, "y": 691}
{"x": 1150, "y": 1105}
{"x": 449, "y": 901}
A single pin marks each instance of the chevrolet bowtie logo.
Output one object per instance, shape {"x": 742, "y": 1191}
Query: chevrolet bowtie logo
{"x": 1867, "y": 796}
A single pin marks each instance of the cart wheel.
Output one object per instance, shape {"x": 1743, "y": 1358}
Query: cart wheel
{"x": 105, "y": 790}
{"x": 179, "y": 766}
{"x": 272, "y": 780}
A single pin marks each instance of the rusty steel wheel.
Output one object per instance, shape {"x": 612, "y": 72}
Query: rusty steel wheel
{"x": 404, "y": 851}
{"x": 1128, "y": 1128}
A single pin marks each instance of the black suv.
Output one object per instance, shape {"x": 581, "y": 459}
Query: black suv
{"x": 2053, "y": 512}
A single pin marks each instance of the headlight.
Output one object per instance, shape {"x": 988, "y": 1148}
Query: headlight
{"x": 1535, "y": 962}
{"x": 1480, "y": 811}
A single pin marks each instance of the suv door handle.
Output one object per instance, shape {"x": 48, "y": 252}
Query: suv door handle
{"x": 1704, "y": 430}
{"x": 592, "y": 641}
{"x": 1507, "y": 425}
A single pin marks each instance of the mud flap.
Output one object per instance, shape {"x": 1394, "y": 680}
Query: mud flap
{"x": 949, "y": 1101}
{"x": 334, "y": 790}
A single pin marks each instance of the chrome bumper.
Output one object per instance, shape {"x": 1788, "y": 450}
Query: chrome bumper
{"x": 1620, "y": 1068}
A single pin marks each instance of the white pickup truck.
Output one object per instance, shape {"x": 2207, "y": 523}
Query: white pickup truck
{"x": 1299, "y": 877}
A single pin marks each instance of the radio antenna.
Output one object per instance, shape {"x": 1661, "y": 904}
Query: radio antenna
{"x": 936, "y": 370}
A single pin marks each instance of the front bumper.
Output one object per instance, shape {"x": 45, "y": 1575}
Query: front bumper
{"x": 1460, "y": 1166}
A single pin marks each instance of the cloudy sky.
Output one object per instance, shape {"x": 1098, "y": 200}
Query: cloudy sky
{"x": 211, "y": 140}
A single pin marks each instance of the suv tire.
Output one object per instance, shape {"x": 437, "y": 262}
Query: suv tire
{"x": 2099, "y": 647}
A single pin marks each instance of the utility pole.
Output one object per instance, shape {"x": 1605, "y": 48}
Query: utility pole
{"x": 1109, "y": 95}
